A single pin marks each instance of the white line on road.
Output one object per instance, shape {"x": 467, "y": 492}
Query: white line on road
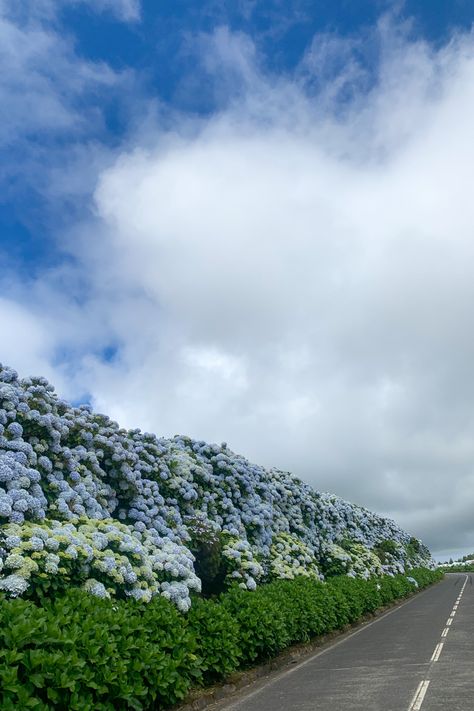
{"x": 419, "y": 696}
{"x": 423, "y": 685}
{"x": 279, "y": 676}
{"x": 437, "y": 652}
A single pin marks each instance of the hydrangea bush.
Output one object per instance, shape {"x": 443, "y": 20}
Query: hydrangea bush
{"x": 103, "y": 556}
{"x": 290, "y": 558}
{"x": 86, "y": 503}
{"x": 353, "y": 559}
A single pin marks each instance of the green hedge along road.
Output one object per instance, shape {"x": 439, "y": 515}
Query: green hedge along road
{"x": 74, "y": 652}
{"x": 416, "y": 657}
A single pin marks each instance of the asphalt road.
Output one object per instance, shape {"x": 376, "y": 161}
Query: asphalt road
{"x": 419, "y": 656}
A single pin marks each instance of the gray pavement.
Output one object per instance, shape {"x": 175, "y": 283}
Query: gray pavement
{"x": 394, "y": 663}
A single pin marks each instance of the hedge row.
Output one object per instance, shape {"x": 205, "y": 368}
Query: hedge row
{"x": 461, "y": 568}
{"x": 79, "y": 652}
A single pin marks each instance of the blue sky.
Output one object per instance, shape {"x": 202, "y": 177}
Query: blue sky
{"x": 283, "y": 31}
{"x": 161, "y": 45}
{"x": 251, "y": 222}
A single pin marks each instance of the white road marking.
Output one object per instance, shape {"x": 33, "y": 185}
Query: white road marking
{"x": 423, "y": 685}
{"x": 419, "y": 696}
{"x": 437, "y": 652}
{"x": 279, "y": 676}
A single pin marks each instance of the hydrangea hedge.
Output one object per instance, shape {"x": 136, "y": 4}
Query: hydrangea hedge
{"x": 122, "y": 513}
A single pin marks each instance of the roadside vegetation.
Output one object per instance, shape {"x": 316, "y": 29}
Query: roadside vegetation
{"x": 457, "y": 568}
{"x": 133, "y": 567}
{"x": 76, "y": 652}
{"x": 463, "y": 565}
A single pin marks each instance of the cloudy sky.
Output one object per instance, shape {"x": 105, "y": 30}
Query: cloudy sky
{"x": 252, "y": 222}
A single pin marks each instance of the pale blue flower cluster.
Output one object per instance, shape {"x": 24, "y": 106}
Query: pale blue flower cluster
{"x": 64, "y": 467}
{"x": 83, "y": 550}
{"x": 241, "y": 562}
{"x": 355, "y": 560}
{"x": 290, "y": 558}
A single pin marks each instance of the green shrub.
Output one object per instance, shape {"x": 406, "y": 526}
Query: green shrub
{"x": 425, "y": 577}
{"x": 217, "y": 638}
{"x": 349, "y": 592}
{"x": 306, "y": 606}
{"x": 78, "y": 652}
{"x": 261, "y": 620}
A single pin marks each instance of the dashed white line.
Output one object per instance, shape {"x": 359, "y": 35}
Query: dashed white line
{"x": 419, "y": 695}
{"x": 436, "y": 654}
{"x": 423, "y": 685}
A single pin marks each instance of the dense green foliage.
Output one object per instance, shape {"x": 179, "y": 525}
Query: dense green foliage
{"x": 82, "y": 653}
{"x": 77, "y": 651}
{"x": 458, "y": 568}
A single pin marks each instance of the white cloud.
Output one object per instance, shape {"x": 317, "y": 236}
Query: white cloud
{"x": 123, "y": 10}
{"x": 52, "y": 103}
{"x": 24, "y": 341}
{"x": 295, "y": 275}
{"x": 345, "y": 239}
{"x": 37, "y": 94}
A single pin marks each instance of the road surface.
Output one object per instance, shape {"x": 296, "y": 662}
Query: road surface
{"x": 416, "y": 657}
